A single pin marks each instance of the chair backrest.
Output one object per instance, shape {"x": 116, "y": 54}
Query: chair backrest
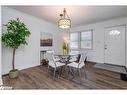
{"x": 78, "y": 58}
{"x": 49, "y": 56}
{"x": 81, "y": 60}
{"x": 51, "y": 59}
{"x": 82, "y": 57}
{"x": 73, "y": 52}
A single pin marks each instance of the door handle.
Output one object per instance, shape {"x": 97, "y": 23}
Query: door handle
{"x": 105, "y": 47}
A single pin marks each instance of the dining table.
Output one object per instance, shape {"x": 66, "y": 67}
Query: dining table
{"x": 66, "y": 60}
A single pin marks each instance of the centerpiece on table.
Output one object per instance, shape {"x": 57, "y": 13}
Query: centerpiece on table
{"x": 65, "y": 48}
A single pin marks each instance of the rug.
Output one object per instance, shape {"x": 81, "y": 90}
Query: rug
{"x": 114, "y": 68}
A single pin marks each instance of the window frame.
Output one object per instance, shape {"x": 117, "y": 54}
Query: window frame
{"x": 79, "y": 40}
{"x": 74, "y": 41}
{"x": 91, "y": 30}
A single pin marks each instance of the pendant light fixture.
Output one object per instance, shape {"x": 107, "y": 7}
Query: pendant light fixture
{"x": 65, "y": 21}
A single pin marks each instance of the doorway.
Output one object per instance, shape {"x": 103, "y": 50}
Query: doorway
{"x": 114, "y": 49}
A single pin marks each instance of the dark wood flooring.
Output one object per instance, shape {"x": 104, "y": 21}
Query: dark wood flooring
{"x": 39, "y": 78}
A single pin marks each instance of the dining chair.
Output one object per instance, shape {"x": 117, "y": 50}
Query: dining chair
{"x": 53, "y": 63}
{"x": 74, "y": 55}
{"x": 73, "y": 52}
{"x": 56, "y": 58}
{"x": 78, "y": 66}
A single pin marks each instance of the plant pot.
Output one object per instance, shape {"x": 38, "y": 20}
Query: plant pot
{"x": 14, "y": 73}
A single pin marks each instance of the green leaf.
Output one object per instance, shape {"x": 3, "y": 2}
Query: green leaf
{"x": 16, "y": 34}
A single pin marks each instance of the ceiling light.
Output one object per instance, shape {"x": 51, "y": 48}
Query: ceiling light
{"x": 65, "y": 21}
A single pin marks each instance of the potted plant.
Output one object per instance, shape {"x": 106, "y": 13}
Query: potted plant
{"x": 16, "y": 35}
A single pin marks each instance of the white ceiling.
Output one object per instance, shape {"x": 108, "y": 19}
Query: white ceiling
{"x": 80, "y": 15}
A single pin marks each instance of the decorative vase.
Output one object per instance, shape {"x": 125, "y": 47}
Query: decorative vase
{"x": 64, "y": 52}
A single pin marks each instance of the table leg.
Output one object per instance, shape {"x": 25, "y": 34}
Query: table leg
{"x": 71, "y": 71}
{"x": 66, "y": 71}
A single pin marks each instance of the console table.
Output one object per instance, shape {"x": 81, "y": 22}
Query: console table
{"x": 43, "y": 60}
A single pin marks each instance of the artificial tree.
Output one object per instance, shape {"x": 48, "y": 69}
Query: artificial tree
{"x": 16, "y": 35}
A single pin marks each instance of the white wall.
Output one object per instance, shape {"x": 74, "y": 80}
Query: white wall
{"x": 126, "y": 42}
{"x": 0, "y": 57}
{"x": 97, "y": 53}
{"x": 27, "y": 56}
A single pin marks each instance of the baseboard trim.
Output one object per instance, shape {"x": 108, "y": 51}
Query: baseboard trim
{"x": 114, "y": 65}
{"x": 5, "y": 75}
{"x": 20, "y": 70}
{"x": 126, "y": 69}
{"x": 91, "y": 62}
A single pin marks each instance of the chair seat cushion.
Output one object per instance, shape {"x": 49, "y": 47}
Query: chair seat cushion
{"x": 58, "y": 64}
{"x": 75, "y": 65}
{"x": 73, "y": 59}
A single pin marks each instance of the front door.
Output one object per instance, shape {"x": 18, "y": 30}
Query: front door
{"x": 115, "y": 45}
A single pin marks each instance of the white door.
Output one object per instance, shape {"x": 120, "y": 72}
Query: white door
{"x": 115, "y": 45}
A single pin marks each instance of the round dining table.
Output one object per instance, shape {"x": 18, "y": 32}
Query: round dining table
{"x": 66, "y": 60}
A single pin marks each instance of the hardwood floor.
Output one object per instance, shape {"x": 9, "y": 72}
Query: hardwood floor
{"x": 39, "y": 78}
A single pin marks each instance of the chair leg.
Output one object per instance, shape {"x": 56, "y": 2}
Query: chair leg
{"x": 66, "y": 72}
{"x": 72, "y": 73}
{"x": 69, "y": 71}
{"x": 85, "y": 72}
{"x": 54, "y": 74}
{"x": 59, "y": 72}
{"x": 80, "y": 75}
{"x": 48, "y": 68}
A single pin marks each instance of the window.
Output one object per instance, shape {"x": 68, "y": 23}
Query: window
{"x": 81, "y": 40}
{"x": 74, "y": 40}
{"x": 86, "y": 39}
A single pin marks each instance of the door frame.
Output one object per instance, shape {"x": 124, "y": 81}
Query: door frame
{"x": 125, "y": 41}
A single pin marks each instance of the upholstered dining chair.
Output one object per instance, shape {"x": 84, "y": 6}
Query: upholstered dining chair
{"x": 53, "y": 63}
{"x": 78, "y": 65}
{"x": 56, "y": 58}
{"x": 74, "y": 55}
